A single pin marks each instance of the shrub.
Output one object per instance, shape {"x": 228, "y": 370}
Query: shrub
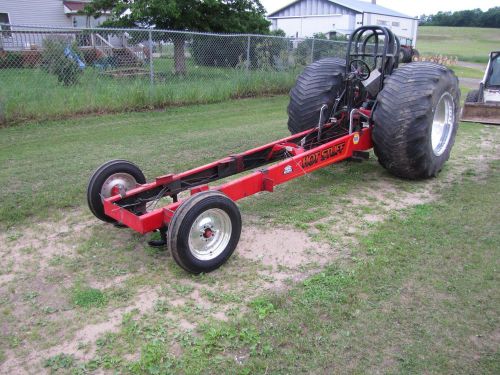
{"x": 31, "y": 59}
{"x": 219, "y": 51}
{"x": 56, "y": 62}
{"x": 265, "y": 53}
{"x": 92, "y": 55}
{"x": 271, "y": 53}
{"x": 320, "y": 48}
{"x": 11, "y": 60}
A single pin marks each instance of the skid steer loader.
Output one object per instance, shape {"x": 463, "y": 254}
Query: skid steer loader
{"x": 483, "y": 105}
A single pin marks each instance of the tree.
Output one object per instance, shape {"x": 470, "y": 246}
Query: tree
{"x": 235, "y": 16}
{"x": 463, "y": 18}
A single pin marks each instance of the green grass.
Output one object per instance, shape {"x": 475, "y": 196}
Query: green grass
{"x": 422, "y": 298}
{"x": 46, "y": 166}
{"x": 32, "y": 94}
{"x": 400, "y": 282}
{"x": 87, "y": 297}
{"x": 465, "y": 72}
{"x": 467, "y": 43}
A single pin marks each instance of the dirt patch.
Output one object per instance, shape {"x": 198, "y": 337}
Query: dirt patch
{"x": 281, "y": 247}
{"x": 87, "y": 336}
{"x": 99, "y": 284}
{"x": 470, "y": 83}
{"x": 34, "y": 245}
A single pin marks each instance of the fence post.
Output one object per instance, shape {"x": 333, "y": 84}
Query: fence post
{"x": 312, "y": 51}
{"x": 248, "y": 53}
{"x": 2, "y": 112}
{"x": 151, "y": 68}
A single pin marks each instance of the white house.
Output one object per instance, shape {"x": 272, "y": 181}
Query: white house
{"x": 58, "y": 13}
{"x": 303, "y": 18}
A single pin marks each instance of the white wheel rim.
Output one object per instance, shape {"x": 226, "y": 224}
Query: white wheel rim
{"x": 117, "y": 183}
{"x": 210, "y": 234}
{"x": 442, "y": 123}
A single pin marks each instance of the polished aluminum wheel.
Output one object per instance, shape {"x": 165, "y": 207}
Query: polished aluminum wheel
{"x": 210, "y": 234}
{"x": 442, "y": 123}
{"x": 117, "y": 183}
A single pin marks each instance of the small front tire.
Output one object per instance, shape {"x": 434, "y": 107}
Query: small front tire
{"x": 107, "y": 180}
{"x": 204, "y": 231}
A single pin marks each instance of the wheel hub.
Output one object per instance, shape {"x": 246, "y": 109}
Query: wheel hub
{"x": 209, "y": 234}
{"x": 117, "y": 183}
{"x": 442, "y": 124}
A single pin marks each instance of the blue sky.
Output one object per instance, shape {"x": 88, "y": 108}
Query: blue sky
{"x": 410, "y": 7}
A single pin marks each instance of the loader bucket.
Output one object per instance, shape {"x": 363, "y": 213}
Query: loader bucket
{"x": 486, "y": 113}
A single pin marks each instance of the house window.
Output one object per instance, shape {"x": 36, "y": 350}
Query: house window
{"x": 383, "y": 23}
{"x": 4, "y": 18}
{"x": 396, "y": 24}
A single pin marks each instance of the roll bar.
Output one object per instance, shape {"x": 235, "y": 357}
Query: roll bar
{"x": 367, "y": 36}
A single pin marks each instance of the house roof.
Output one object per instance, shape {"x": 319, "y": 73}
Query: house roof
{"x": 75, "y": 6}
{"x": 358, "y": 6}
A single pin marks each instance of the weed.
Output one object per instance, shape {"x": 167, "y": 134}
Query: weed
{"x": 49, "y": 310}
{"x": 120, "y": 294}
{"x": 262, "y": 306}
{"x": 162, "y": 306}
{"x": 60, "y": 361}
{"x": 86, "y": 297}
{"x": 183, "y": 289}
{"x": 219, "y": 296}
{"x": 30, "y": 296}
{"x": 155, "y": 359}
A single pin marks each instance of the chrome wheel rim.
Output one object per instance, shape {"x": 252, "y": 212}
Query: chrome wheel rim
{"x": 117, "y": 183}
{"x": 442, "y": 124}
{"x": 210, "y": 234}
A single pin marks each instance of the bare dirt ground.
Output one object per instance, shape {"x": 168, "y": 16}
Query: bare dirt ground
{"x": 470, "y": 83}
{"x": 43, "y": 264}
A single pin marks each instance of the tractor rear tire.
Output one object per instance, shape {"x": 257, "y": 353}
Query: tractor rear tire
{"x": 405, "y": 55}
{"x": 472, "y": 96}
{"x": 320, "y": 83}
{"x": 415, "y": 55}
{"x": 416, "y": 120}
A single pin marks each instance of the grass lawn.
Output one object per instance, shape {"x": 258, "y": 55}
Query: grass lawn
{"x": 467, "y": 43}
{"x": 32, "y": 94}
{"x": 421, "y": 297}
{"x": 390, "y": 275}
{"x": 47, "y": 165}
{"x": 465, "y": 72}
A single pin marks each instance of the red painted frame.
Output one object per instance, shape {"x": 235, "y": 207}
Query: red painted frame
{"x": 300, "y": 163}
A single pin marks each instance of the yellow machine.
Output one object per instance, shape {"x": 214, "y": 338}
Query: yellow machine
{"x": 483, "y": 105}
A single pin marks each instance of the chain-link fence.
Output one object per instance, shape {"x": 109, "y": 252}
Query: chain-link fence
{"x": 55, "y": 72}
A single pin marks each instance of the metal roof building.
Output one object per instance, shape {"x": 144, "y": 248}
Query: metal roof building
{"x": 303, "y": 18}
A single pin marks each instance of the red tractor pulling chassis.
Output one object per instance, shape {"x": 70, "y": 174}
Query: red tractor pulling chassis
{"x": 338, "y": 109}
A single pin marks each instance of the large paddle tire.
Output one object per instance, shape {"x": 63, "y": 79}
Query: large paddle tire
{"x": 416, "y": 120}
{"x": 320, "y": 83}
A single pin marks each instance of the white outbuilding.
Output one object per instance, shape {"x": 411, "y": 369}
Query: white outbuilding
{"x": 303, "y": 18}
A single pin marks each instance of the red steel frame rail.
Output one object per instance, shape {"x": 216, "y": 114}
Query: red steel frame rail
{"x": 299, "y": 163}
